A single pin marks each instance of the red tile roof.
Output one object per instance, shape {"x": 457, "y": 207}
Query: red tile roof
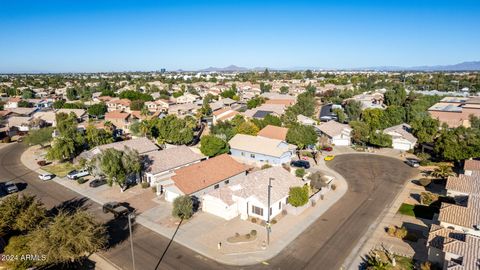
{"x": 116, "y": 115}
{"x": 274, "y": 132}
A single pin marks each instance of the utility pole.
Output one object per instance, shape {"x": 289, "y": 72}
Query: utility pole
{"x": 268, "y": 210}
{"x": 130, "y": 215}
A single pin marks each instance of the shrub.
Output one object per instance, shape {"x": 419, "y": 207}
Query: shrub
{"x": 145, "y": 184}
{"x": 401, "y": 232}
{"x": 300, "y": 172}
{"x": 182, "y": 207}
{"x": 424, "y": 181}
{"x": 298, "y": 196}
{"x": 428, "y": 198}
{"x": 286, "y": 167}
{"x": 247, "y": 236}
{"x": 254, "y": 220}
{"x": 334, "y": 187}
{"x": 237, "y": 234}
{"x": 391, "y": 230}
{"x": 273, "y": 221}
{"x": 426, "y": 266}
{"x": 81, "y": 180}
{"x": 307, "y": 154}
{"x": 253, "y": 232}
{"x": 154, "y": 189}
{"x": 317, "y": 180}
{"x": 266, "y": 166}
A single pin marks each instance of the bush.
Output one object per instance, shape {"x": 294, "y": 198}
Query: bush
{"x": 254, "y": 220}
{"x": 425, "y": 181}
{"x": 273, "y": 221}
{"x": 394, "y": 231}
{"x": 145, "y": 184}
{"x": 298, "y": 196}
{"x": 81, "y": 180}
{"x": 300, "y": 172}
{"x": 253, "y": 232}
{"x": 334, "y": 187}
{"x": 237, "y": 234}
{"x": 428, "y": 198}
{"x": 391, "y": 230}
{"x": 286, "y": 167}
{"x": 182, "y": 207}
{"x": 266, "y": 166}
{"x": 307, "y": 154}
{"x": 154, "y": 189}
{"x": 247, "y": 236}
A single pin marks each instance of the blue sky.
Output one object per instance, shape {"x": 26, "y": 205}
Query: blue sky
{"x": 123, "y": 35}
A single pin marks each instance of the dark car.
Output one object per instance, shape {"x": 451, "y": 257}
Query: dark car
{"x": 300, "y": 163}
{"x": 116, "y": 208}
{"x": 10, "y": 187}
{"x": 412, "y": 162}
{"x": 97, "y": 183}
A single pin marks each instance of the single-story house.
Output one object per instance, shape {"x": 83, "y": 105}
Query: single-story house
{"x": 265, "y": 109}
{"x": 200, "y": 178}
{"x": 223, "y": 115}
{"x": 162, "y": 164}
{"x": 402, "y": 137}
{"x": 338, "y": 134}
{"x": 306, "y": 121}
{"x": 462, "y": 218}
{"x": 273, "y": 132}
{"x": 261, "y": 149}
{"x": 142, "y": 145}
{"x": 80, "y": 113}
{"x": 249, "y": 197}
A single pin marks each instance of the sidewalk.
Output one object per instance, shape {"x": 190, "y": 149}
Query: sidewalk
{"x": 193, "y": 234}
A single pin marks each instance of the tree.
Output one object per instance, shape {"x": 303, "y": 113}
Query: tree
{"x": 24, "y": 104}
{"x": 255, "y": 102}
{"x": 308, "y": 74}
{"x": 182, "y": 207}
{"x": 28, "y": 94}
{"x": 172, "y": 129}
{"x": 302, "y": 136}
{"x": 206, "y": 110}
{"x": 247, "y": 128}
{"x": 137, "y": 105}
{"x": 395, "y": 96}
{"x": 393, "y": 115}
{"x": 224, "y": 130}
{"x": 373, "y": 118}
{"x": 229, "y": 93}
{"x": 380, "y": 139}
{"x": 318, "y": 180}
{"x": 267, "y": 120}
{"x": 474, "y": 121}
{"x": 40, "y": 136}
{"x": 63, "y": 148}
{"x": 443, "y": 171}
{"x": 450, "y": 141}
{"x": 118, "y": 165}
{"x": 300, "y": 172}
{"x": 340, "y": 115}
{"x": 265, "y": 87}
{"x": 20, "y": 213}
{"x": 97, "y": 110}
{"x": 135, "y": 95}
{"x": 72, "y": 94}
{"x": 360, "y": 132}
{"x": 212, "y": 146}
{"x": 298, "y": 196}
{"x": 353, "y": 110}
{"x": 305, "y": 104}
{"x": 425, "y": 128}
{"x": 95, "y": 137}
{"x": 284, "y": 89}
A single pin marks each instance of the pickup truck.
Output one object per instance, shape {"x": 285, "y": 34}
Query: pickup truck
{"x": 75, "y": 174}
{"x": 116, "y": 208}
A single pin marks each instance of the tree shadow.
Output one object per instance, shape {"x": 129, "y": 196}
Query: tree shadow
{"x": 415, "y": 196}
{"x": 416, "y": 238}
{"x": 168, "y": 246}
{"x": 21, "y": 186}
{"x": 82, "y": 264}
{"x": 117, "y": 229}
{"x": 69, "y": 206}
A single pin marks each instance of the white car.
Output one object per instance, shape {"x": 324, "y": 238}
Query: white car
{"x": 46, "y": 176}
{"x": 75, "y": 174}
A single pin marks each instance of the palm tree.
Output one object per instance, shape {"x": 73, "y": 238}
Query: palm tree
{"x": 443, "y": 171}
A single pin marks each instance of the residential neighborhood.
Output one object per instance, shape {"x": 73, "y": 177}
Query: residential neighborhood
{"x": 240, "y": 135}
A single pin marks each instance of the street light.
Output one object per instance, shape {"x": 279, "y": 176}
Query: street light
{"x": 130, "y": 216}
{"x": 268, "y": 210}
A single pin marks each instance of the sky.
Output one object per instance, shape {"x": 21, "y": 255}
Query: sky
{"x": 125, "y": 35}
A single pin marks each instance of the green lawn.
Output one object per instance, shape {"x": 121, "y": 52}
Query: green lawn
{"x": 60, "y": 169}
{"x": 419, "y": 211}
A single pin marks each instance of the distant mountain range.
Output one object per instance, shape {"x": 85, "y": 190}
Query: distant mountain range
{"x": 464, "y": 66}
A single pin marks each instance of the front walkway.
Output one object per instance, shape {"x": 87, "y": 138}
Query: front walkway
{"x": 204, "y": 231}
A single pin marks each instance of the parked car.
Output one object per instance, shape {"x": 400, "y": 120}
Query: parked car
{"x": 46, "y": 176}
{"x": 329, "y": 157}
{"x": 116, "y": 208}
{"x": 97, "y": 182}
{"x": 300, "y": 163}
{"x": 75, "y": 174}
{"x": 412, "y": 162}
{"x": 327, "y": 149}
{"x": 10, "y": 187}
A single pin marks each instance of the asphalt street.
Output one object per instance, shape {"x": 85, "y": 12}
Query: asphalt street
{"x": 373, "y": 183}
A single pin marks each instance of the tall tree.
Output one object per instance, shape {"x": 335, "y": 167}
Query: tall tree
{"x": 353, "y": 109}
{"x": 212, "y": 146}
{"x": 40, "y": 136}
{"x": 302, "y": 136}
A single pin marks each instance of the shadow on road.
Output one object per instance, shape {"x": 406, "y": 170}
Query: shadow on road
{"x": 118, "y": 232}
{"x": 70, "y": 206}
{"x": 168, "y": 246}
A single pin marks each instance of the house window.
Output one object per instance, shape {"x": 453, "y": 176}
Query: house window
{"x": 243, "y": 153}
{"x": 216, "y": 186}
{"x": 279, "y": 205}
{"x": 257, "y": 210}
{"x": 270, "y": 211}
{"x": 227, "y": 182}
{"x": 252, "y": 155}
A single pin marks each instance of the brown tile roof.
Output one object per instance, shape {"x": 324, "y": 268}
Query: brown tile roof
{"x": 117, "y": 115}
{"x": 14, "y": 99}
{"x": 287, "y": 102}
{"x": 201, "y": 175}
{"x": 273, "y": 132}
{"x": 467, "y": 217}
{"x": 218, "y": 112}
{"x": 439, "y": 235}
{"x": 171, "y": 158}
{"x": 228, "y": 115}
{"x": 464, "y": 183}
{"x": 4, "y": 113}
{"x": 472, "y": 165}
{"x": 468, "y": 250}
